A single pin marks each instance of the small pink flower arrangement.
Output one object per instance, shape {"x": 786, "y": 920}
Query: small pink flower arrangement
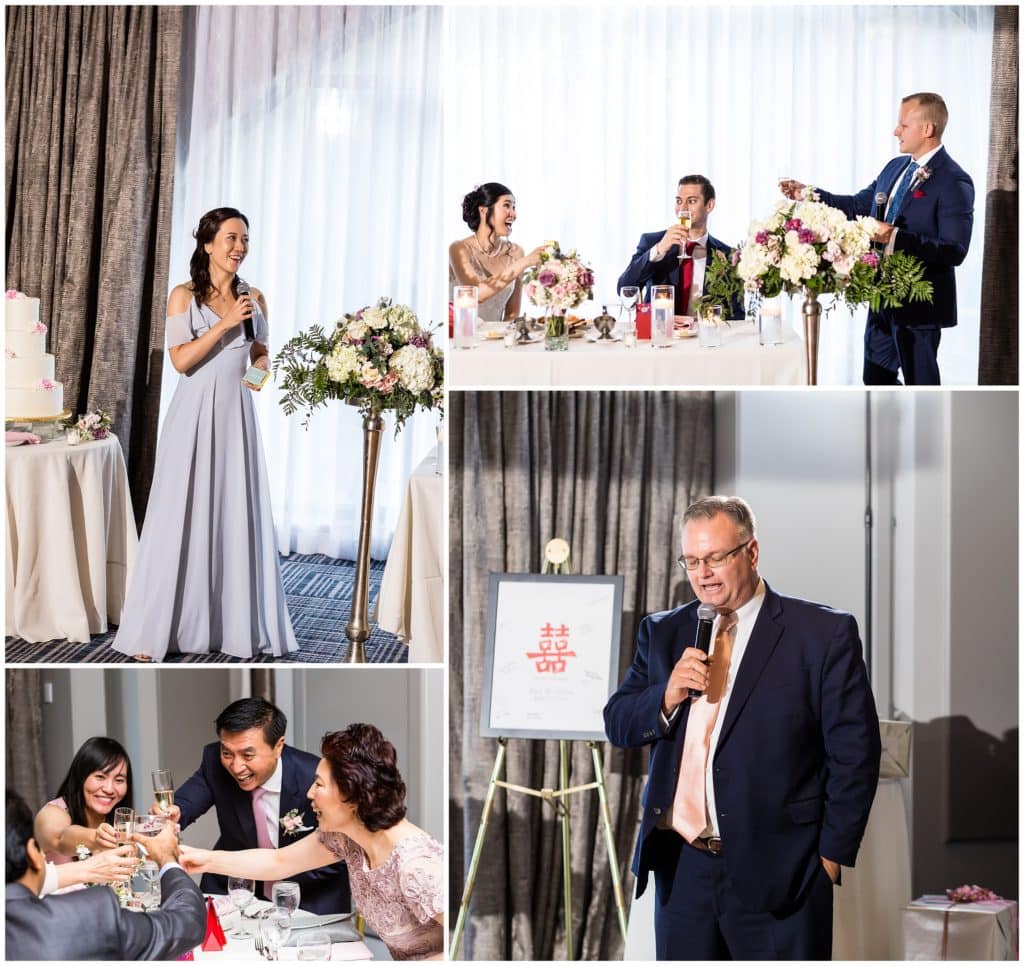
{"x": 560, "y": 282}
{"x": 971, "y": 893}
{"x": 94, "y": 425}
{"x": 292, "y": 824}
{"x": 45, "y": 383}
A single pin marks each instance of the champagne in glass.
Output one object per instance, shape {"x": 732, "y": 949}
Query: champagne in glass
{"x": 686, "y": 222}
{"x": 124, "y": 819}
{"x": 163, "y": 787}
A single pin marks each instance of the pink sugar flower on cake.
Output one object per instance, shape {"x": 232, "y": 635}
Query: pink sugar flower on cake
{"x": 12, "y": 293}
{"x": 11, "y": 354}
{"x": 39, "y": 327}
{"x": 46, "y": 384}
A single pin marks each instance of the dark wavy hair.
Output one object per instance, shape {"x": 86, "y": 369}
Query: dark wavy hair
{"x": 364, "y": 766}
{"x": 199, "y": 265}
{"x": 482, "y": 196}
{"x": 97, "y": 754}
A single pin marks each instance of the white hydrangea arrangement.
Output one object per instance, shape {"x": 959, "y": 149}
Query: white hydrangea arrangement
{"x": 378, "y": 358}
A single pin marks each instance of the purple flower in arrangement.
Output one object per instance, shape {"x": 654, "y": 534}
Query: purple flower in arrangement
{"x": 971, "y": 893}
{"x": 736, "y": 255}
{"x": 761, "y": 237}
{"x": 547, "y": 278}
{"x": 419, "y": 341}
{"x": 794, "y": 224}
{"x": 870, "y": 258}
{"x": 805, "y": 235}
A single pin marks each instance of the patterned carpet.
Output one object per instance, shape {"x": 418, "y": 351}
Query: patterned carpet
{"x": 319, "y": 592}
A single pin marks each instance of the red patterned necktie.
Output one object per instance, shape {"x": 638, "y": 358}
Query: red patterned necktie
{"x": 685, "y": 280}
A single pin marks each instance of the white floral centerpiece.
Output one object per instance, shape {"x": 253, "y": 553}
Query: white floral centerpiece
{"x": 377, "y": 359}
{"x": 560, "y": 282}
{"x": 810, "y": 247}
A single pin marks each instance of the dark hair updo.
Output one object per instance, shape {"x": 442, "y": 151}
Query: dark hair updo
{"x": 96, "y": 754}
{"x": 482, "y": 196}
{"x": 199, "y": 265}
{"x": 364, "y": 766}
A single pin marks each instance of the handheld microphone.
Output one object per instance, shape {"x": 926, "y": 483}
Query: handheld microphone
{"x": 880, "y": 199}
{"x": 250, "y": 334}
{"x": 706, "y": 615}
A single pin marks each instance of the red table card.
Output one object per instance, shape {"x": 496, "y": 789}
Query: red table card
{"x": 215, "y": 939}
{"x": 643, "y": 320}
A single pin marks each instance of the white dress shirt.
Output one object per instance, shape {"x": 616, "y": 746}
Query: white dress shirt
{"x": 700, "y": 261}
{"x": 271, "y": 801}
{"x": 745, "y": 618}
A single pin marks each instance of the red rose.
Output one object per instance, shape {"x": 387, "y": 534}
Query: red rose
{"x": 918, "y": 193}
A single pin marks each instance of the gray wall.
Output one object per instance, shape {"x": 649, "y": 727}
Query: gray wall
{"x": 945, "y": 579}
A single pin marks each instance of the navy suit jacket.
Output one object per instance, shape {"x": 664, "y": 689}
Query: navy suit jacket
{"x": 323, "y": 890}
{"x": 935, "y": 227}
{"x": 796, "y": 764}
{"x": 644, "y": 273}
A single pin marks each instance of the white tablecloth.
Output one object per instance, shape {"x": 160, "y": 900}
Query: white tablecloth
{"x": 71, "y": 539}
{"x": 739, "y": 361}
{"x": 411, "y": 600}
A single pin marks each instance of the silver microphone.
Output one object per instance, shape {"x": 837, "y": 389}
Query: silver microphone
{"x": 880, "y": 199}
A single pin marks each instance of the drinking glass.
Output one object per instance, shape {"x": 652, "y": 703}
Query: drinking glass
{"x": 662, "y": 308}
{"x": 124, "y": 820}
{"x": 150, "y": 825}
{"x": 241, "y": 892}
{"x": 467, "y": 301}
{"x": 769, "y": 322}
{"x": 285, "y": 896}
{"x": 685, "y": 221}
{"x": 163, "y": 787}
{"x": 710, "y": 327}
{"x": 146, "y": 885}
{"x": 630, "y": 295}
{"x": 314, "y": 947}
{"x": 275, "y": 927}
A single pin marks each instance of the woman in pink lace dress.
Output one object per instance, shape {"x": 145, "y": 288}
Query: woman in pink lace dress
{"x": 395, "y": 870}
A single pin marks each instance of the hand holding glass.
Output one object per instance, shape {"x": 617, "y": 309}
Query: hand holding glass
{"x": 163, "y": 787}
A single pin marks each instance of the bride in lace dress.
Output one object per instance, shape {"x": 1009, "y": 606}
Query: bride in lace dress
{"x": 395, "y": 870}
{"x": 487, "y": 259}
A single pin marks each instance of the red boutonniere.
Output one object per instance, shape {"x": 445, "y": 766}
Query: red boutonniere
{"x": 918, "y": 193}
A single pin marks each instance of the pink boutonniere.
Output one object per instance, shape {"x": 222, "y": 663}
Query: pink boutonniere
{"x": 292, "y": 824}
{"x": 918, "y": 193}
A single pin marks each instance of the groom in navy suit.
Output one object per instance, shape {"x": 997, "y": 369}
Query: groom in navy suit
{"x": 657, "y": 262}
{"x": 759, "y": 788}
{"x": 250, "y": 772}
{"x": 927, "y": 211}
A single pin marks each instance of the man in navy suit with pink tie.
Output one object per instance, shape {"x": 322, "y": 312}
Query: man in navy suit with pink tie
{"x": 764, "y": 756}
{"x": 926, "y": 205}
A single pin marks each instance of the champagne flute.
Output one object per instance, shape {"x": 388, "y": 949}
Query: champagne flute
{"x": 124, "y": 819}
{"x": 241, "y": 892}
{"x": 686, "y": 222}
{"x": 163, "y": 787}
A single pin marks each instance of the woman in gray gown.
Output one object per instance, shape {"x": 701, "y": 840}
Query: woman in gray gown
{"x": 487, "y": 259}
{"x": 206, "y": 577}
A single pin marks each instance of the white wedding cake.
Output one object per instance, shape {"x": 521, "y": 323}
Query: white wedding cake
{"x": 31, "y": 391}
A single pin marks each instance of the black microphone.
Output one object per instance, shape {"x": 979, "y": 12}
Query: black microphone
{"x": 706, "y": 615}
{"x": 880, "y": 199}
{"x": 250, "y": 334}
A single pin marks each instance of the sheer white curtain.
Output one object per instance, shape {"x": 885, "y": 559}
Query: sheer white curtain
{"x": 599, "y": 111}
{"x": 323, "y": 125}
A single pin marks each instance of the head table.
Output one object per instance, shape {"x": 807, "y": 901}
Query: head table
{"x": 411, "y": 599}
{"x": 740, "y": 360}
{"x": 71, "y": 539}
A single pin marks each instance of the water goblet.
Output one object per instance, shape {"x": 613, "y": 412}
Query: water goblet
{"x": 275, "y": 926}
{"x": 285, "y": 896}
{"x": 241, "y": 892}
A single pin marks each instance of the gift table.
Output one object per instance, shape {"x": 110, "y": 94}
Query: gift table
{"x": 71, "y": 539}
{"x": 411, "y": 599}
{"x": 740, "y": 360}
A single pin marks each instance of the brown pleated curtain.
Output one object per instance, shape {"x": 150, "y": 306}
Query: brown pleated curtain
{"x": 611, "y": 472}
{"x": 24, "y": 772}
{"x": 92, "y": 95}
{"x": 1000, "y": 296}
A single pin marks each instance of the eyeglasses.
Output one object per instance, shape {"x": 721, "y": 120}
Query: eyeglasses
{"x": 712, "y": 560}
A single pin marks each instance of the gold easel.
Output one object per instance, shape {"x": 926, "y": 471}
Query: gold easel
{"x": 556, "y": 561}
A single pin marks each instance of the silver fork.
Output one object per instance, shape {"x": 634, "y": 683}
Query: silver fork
{"x": 261, "y": 947}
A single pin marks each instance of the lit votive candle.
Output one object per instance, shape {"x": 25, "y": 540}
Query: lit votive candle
{"x": 629, "y": 340}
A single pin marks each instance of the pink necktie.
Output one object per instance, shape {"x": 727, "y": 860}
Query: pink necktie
{"x": 689, "y": 808}
{"x": 262, "y": 832}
